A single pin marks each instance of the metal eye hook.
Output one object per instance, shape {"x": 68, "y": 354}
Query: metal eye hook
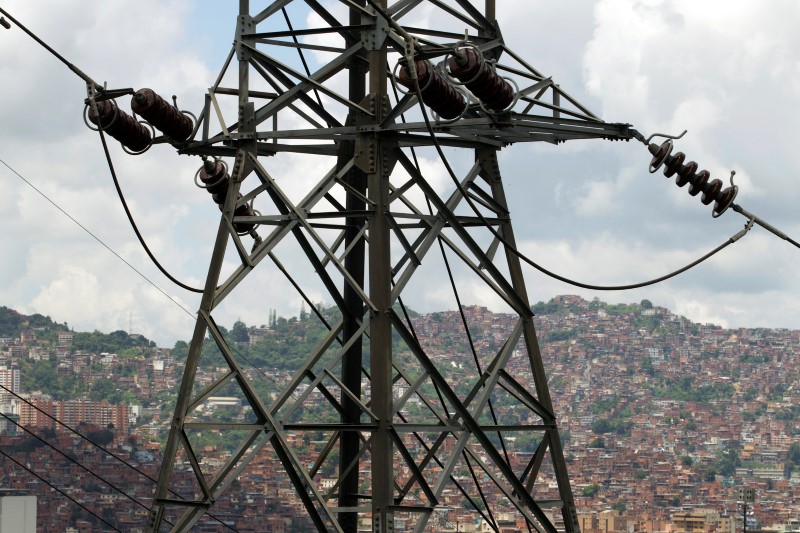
{"x": 733, "y": 173}
{"x": 666, "y": 136}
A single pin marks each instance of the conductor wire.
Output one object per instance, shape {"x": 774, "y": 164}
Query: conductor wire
{"x": 133, "y": 222}
{"x": 75, "y": 462}
{"x": 73, "y": 500}
{"x": 95, "y": 237}
{"x": 98, "y": 446}
{"x": 513, "y": 249}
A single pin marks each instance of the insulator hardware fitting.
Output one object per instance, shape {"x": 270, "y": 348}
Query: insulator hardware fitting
{"x": 687, "y": 174}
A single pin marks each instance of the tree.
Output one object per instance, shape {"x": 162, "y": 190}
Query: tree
{"x": 597, "y": 443}
{"x": 591, "y": 490}
{"x": 794, "y": 453}
{"x": 646, "y": 304}
{"x": 239, "y": 332}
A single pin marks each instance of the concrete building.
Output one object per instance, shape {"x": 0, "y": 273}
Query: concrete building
{"x": 10, "y": 379}
{"x": 17, "y": 514}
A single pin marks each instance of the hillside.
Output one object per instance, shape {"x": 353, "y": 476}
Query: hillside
{"x": 656, "y": 412}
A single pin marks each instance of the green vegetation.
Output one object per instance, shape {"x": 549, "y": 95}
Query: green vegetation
{"x": 684, "y": 389}
{"x": 115, "y": 342}
{"x": 612, "y": 425}
{"x": 13, "y": 323}
{"x": 591, "y": 490}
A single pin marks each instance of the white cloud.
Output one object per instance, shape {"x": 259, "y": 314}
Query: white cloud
{"x": 725, "y": 71}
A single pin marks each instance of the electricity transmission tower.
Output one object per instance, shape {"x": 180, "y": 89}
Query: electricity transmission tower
{"x": 379, "y": 410}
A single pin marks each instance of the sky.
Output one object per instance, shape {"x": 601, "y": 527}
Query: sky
{"x": 728, "y": 72}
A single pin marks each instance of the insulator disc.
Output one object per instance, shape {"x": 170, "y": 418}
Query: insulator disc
{"x": 660, "y": 154}
{"x": 699, "y": 182}
{"x": 162, "y": 114}
{"x": 674, "y": 164}
{"x": 685, "y": 174}
{"x": 724, "y": 200}
{"x": 243, "y": 210}
{"x": 120, "y": 125}
{"x": 215, "y": 178}
{"x": 711, "y": 192}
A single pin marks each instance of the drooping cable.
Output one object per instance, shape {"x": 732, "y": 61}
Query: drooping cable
{"x": 133, "y": 224}
{"x": 55, "y": 488}
{"x": 495, "y": 233}
{"x": 465, "y": 324}
{"x": 95, "y": 237}
{"x": 454, "y": 288}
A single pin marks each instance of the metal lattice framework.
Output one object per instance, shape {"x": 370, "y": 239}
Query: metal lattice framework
{"x": 390, "y": 425}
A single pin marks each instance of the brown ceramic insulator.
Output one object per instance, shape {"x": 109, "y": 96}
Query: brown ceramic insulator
{"x": 660, "y": 154}
{"x": 243, "y": 210}
{"x": 685, "y": 174}
{"x": 215, "y": 179}
{"x": 437, "y": 93}
{"x": 711, "y": 192}
{"x": 480, "y": 78}
{"x": 674, "y": 164}
{"x": 699, "y": 182}
{"x": 724, "y": 200}
{"x": 161, "y": 114}
{"x": 120, "y": 125}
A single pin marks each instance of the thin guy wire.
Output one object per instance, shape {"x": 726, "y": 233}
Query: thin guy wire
{"x": 95, "y": 237}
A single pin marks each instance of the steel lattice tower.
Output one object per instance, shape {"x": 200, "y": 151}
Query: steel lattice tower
{"x": 396, "y": 433}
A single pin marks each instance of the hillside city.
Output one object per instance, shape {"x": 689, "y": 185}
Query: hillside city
{"x": 663, "y": 420}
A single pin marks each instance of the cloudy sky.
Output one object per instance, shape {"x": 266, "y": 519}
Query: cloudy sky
{"x": 726, "y": 71}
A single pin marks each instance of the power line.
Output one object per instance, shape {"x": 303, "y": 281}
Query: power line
{"x": 74, "y": 461}
{"x": 512, "y": 248}
{"x": 95, "y": 237}
{"x": 99, "y": 446}
{"x": 59, "y": 490}
{"x": 134, "y": 226}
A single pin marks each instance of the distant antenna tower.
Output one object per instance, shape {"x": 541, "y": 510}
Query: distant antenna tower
{"x": 397, "y": 435}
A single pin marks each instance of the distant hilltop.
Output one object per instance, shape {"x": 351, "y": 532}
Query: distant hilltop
{"x": 44, "y": 332}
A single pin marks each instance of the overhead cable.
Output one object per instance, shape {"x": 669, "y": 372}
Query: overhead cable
{"x": 95, "y": 237}
{"x": 55, "y": 488}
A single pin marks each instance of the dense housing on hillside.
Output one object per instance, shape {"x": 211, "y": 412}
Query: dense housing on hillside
{"x": 663, "y": 419}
